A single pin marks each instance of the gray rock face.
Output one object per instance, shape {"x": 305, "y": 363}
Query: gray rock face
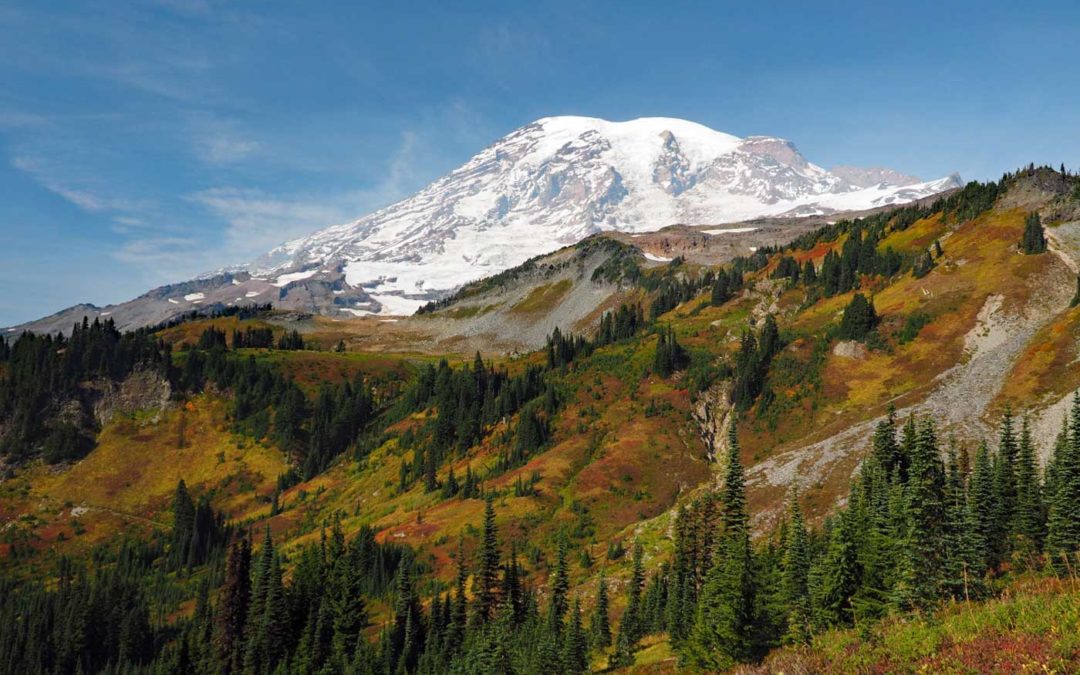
{"x": 850, "y": 349}
{"x": 142, "y": 390}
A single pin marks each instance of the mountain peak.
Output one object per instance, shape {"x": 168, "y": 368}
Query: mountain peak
{"x": 543, "y": 186}
{"x": 556, "y": 180}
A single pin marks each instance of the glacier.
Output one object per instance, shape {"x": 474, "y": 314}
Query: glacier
{"x": 557, "y": 180}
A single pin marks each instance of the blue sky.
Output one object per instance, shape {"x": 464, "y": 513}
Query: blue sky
{"x": 145, "y": 142}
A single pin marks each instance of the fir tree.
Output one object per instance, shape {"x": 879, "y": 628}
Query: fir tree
{"x": 560, "y": 587}
{"x": 632, "y": 617}
{"x": 886, "y": 451}
{"x": 1030, "y": 514}
{"x": 233, "y": 605}
{"x": 347, "y": 608}
{"x": 1063, "y": 523}
{"x": 796, "y": 568}
{"x": 922, "y": 563}
{"x": 575, "y": 651}
{"x": 1006, "y": 471}
{"x": 623, "y": 657}
{"x": 858, "y": 320}
{"x": 683, "y": 594}
{"x": 985, "y": 514}
{"x": 1033, "y": 240}
{"x": 838, "y": 576}
{"x": 183, "y": 531}
{"x": 459, "y": 612}
{"x": 487, "y": 575}
{"x": 723, "y": 632}
{"x": 600, "y": 626}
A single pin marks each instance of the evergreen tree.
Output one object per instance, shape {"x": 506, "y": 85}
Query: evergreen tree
{"x": 1006, "y": 474}
{"x": 985, "y": 514}
{"x": 1030, "y": 516}
{"x": 795, "y": 592}
{"x": 600, "y": 626}
{"x": 459, "y": 612}
{"x": 486, "y": 583}
{"x": 683, "y": 595}
{"x": 886, "y": 451}
{"x": 183, "y": 530}
{"x": 838, "y": 575}
{"x": 632, "y": 617}
{"x": 670, "y": 355}
{"x": 575, "y": 654}
{"x": 922, "y": 563}
{"x": 623, "y": 657}
{"x": 1063, "y": 523}
{"x": 1033, "y": 240}
{"x": 407, "y": 628}
{"x": 346, "y": 606}
{"x": 233, "y": 605}
{"x": 723, "y": 632}
{"x": 560, "y": 587}
{"x": 858, "y": 320}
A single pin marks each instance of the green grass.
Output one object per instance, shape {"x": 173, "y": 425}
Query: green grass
{"x": 543, "y": 298}
{"x": 1033, "y": 627}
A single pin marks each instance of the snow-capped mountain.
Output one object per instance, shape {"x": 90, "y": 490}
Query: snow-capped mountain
{"x": 560, "y": 179}
{"x": 546, "y": 185}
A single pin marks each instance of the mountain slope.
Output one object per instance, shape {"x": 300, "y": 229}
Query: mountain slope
{"x": 557, "y": 180}
{"x": 542, "y": 187}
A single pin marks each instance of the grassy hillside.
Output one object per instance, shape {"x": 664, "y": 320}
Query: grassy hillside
{"x": 1033, "y": 627}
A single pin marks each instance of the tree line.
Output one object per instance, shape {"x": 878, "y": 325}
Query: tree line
{"x": 43, "y": 374}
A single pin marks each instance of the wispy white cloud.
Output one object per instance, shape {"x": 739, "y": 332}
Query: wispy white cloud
{"x": 12, "y": 119}
{"x": 82, "y": 196}
{"x": 257, "y": 221}
{"x": 504, "y": 50}
{"x": 224, "y": 149}
{"x": 165, "y": 258}
{"x": 217, "y": 142}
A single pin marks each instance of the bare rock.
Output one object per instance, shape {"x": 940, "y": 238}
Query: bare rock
{"x": 713, "y": 414}
{"x": 850, "y": 349}
{"x": 144, "y": 389}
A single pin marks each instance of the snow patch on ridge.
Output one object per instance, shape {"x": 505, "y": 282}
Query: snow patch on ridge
{"x": 732, "y": 230}
{"x": 286, "y": 279}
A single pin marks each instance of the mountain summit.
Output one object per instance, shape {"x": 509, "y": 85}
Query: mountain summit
{"x": 559, "y": 179}
{"x": 546, "y": 185}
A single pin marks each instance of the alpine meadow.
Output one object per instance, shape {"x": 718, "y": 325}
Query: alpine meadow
{"x": 601, "y": 395}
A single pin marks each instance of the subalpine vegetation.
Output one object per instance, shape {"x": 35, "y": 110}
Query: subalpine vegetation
{"x": 44, "y": 371}
{"x": 921, "y": 528}
{"x": 925, "y": 524}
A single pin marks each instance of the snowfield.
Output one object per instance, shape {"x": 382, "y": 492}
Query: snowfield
{"x": 555, "y": 181}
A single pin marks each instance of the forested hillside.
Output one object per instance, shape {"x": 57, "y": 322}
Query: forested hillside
{"x": 777, "y": 463}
